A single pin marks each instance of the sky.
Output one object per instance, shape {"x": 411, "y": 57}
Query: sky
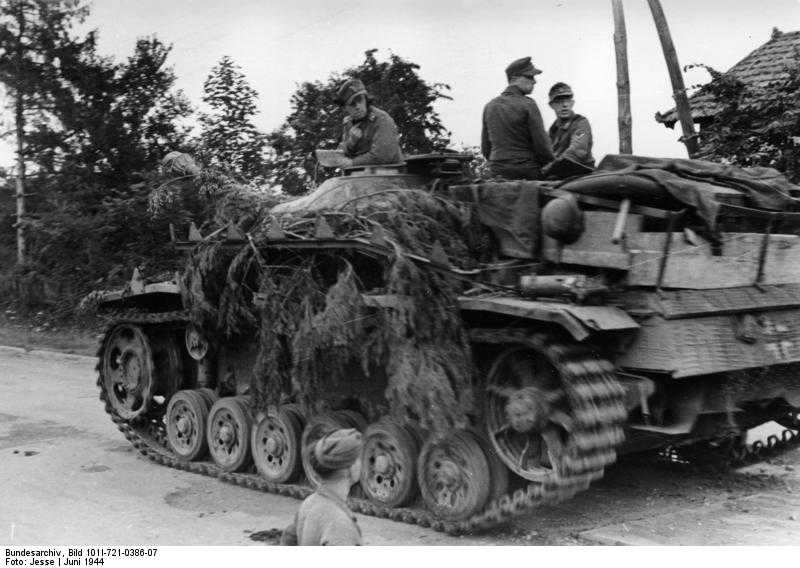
{"x": 464, "y": 43}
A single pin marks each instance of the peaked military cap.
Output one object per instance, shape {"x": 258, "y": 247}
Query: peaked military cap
{"x": 560, "y": 91}
{"x": 521, "y": 67}
{"x": 349, "y": 90}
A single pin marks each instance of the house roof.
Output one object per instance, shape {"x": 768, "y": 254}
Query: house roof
{"x": 763, "y": 66}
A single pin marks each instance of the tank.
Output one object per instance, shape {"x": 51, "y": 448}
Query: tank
{"x": 499, "y": 344}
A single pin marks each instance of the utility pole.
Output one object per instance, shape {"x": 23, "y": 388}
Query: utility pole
{"x": 19, "y": 125}
{"x": 624, "y": 122}
{"x": 689, "y": 137}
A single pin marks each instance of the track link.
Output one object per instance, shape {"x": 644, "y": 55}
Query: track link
{"x": 590, "y": 384}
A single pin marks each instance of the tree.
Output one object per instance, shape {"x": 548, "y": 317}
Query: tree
{"x": 229, "y": 139}
{"x": 93, "y": 133}
{"x": 755, "y": 126}
{"x": 316, "y": 120}
{"x": 35, "y": 40}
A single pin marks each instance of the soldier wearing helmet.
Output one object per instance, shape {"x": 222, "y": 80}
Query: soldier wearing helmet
{"x": 513, "y": 137}
{"x": 370, "y": 134}
{"x": 570, "y": 133}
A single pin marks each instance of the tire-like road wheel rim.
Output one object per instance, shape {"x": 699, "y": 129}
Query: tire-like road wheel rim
{"x": 316, "y": 428}
{"x": 186, "y": 421}
{"x": 228, "y": 434}
{"x": 454, "y": 476}
{"x": 275, "y": 444}
{"x": 388, "y": 464}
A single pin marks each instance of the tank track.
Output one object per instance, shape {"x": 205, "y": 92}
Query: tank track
{"x": 735, "y": 455}
{"x": 596, "y": 397}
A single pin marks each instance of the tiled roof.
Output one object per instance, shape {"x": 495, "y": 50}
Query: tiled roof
{"x": 762, "y": 67}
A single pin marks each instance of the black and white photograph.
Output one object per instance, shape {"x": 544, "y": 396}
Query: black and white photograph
{"x": 399, "y": 274}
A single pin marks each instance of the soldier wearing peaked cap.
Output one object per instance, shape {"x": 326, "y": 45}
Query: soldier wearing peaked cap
{"x": 324, "y": 517}
{"x": 513, "y": 137}
{"x": 369, "y": 133}
{"x": 570, "y": 133}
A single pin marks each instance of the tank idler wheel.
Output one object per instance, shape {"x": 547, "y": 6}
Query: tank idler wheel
{"x": 528, "y": 418}
{"x": 454, "y": 475}
{"x": 389, "y": 464}
{"x": 275, "y": 443}
{"x": 186, "y": 419}
{"x": 228, "y": 433}
{"x": 316, "y": 428}
{"x": 128, "y": 371}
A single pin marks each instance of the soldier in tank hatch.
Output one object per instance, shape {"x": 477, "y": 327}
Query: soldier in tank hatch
{"x": 370, "y": 134}
{"x": 513, "y": 137}
{"x": 570, "y": 133}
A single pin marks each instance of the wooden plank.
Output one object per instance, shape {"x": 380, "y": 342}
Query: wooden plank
{"x": 617, "y": 260}
{"x": 695, "y": 267}
{"x": 594, "y": 248}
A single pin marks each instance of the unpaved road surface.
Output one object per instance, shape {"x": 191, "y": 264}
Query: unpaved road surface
{"x": 69, "y": 477}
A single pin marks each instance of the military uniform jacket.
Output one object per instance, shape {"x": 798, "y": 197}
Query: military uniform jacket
{"x": 371, "y": 140}
{"x": 513, "y": 130}
{"x": 325, "y": 520}
{"x": 572, "y": 139}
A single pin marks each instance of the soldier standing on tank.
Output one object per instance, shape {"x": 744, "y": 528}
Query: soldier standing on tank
{"x": 513, "y": 137}
{"x": 370, "y": 134}
{"x": 324, "y": 519}
{"x": 570, "y": 134}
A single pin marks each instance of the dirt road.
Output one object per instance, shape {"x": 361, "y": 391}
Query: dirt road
{"x": 69, "y": 477}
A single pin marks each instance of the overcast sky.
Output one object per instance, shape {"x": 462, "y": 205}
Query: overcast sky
{"x": 466, "y": 44}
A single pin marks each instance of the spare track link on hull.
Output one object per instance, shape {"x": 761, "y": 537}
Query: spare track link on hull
{"x": 596, "y": 396}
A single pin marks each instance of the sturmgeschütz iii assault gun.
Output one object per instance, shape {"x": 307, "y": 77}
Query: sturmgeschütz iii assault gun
{"x": 499, "y": 344}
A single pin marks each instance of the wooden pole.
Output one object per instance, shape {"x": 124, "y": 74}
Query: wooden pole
{"x": 689, "y": 137}
{"x": 624, "y": 121}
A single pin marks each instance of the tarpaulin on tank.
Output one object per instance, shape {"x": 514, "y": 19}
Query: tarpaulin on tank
{"x": 510, "y": 210}
{"x": 674, "y": 183}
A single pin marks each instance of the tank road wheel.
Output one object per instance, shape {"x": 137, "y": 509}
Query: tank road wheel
{"x": 209, "y": 395}
{"x": 351, "y": 419}
{"x": 497, "y": 469}
{"x": 128, "y": 371}
{"x": 316, "y": 428}
{"x": 228, "y": 433}
{"x": 389, "y": 463}
{"x": 454, "y": 475}
{"x": 186, "y": 419}
{"x": 275, "y": 443}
